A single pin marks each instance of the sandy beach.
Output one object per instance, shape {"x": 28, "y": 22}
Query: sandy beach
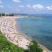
{"x": 8, "y": 28}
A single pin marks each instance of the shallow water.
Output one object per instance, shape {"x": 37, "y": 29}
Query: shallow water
{"x": 39, "y": 28}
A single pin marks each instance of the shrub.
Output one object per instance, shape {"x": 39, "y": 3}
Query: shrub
{"x": 34, "y": 48}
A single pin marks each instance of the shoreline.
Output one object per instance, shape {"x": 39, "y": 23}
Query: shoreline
{"x": 12, "y": 22}
{"x": 45, "y": 49}
{"x": 8, "y": 27}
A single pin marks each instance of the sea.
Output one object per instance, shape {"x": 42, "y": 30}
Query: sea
{"x": 38, "y": 28}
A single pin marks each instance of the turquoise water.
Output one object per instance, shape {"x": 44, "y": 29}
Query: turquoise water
{"x": 39, "y": 28}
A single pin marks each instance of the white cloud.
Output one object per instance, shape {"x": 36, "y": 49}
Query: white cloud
{"x": 49, "y": 7}
{"x": 35, "y": 7}
{"x": 16, "y": 1}
{"x": 38, "y": 6}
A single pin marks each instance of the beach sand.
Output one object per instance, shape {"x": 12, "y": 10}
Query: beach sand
{"x": 8, "y": 28}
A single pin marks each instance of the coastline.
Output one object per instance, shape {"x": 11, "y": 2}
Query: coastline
{"x": 14, "y": 32}
{"x": 8, "y": 27}
{"x": 44, "y": 48}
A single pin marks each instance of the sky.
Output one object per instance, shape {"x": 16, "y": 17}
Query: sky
{"x": 26, "y": 6}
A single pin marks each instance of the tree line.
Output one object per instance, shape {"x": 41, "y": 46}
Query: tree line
{"x": 3, "y": 14}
